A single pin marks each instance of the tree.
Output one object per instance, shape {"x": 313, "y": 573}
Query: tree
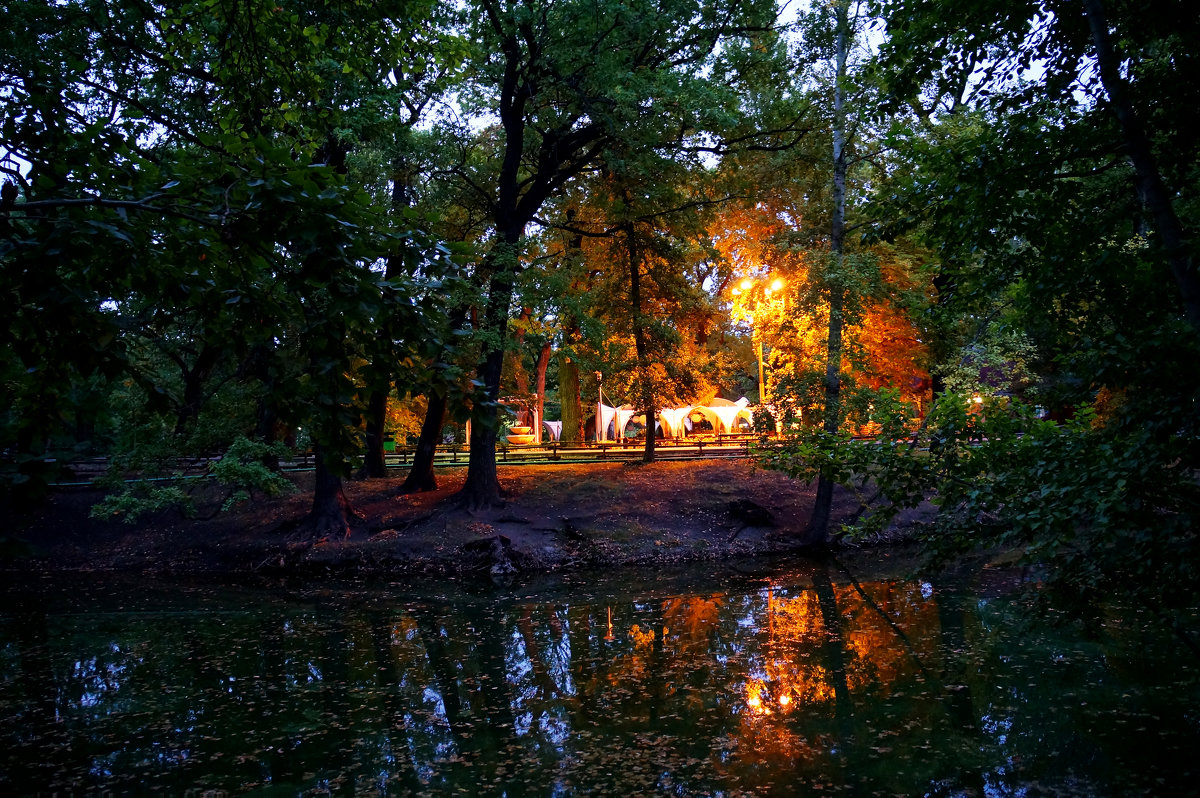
{"x": 563, "y": 81}
{"x": 418, "y": 67}
{"x": 1020, "y": 180}
{"x": 985, "y": 64}
{"x": 458, "y": 222}
{"x": 841, "y": 320}
{"x": 658, "y": 223}
{"x": 1150, "y": 186}
{"x": 818, "y": 528}
{"x": 216, "y": 191}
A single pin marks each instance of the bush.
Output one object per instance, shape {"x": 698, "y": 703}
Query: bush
{"x": 241, "y": 471}
{"x": 1107, "y": 507}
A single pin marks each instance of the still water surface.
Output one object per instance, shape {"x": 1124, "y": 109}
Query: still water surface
{"x": 794, "y": 678}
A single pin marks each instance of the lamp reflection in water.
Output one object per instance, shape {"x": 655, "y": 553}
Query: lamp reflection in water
{"x": 754, "y": 697}
{"x": 759, "y": 699}
{"x": 782, "y": 676}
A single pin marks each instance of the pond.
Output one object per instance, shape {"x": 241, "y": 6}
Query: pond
{"x": 842, "y": 677}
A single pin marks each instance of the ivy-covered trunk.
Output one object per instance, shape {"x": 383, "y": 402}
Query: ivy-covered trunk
{"x": 543, "y": 364}
{"x": 568, "y": 394}
{"x": 571, "y": 411}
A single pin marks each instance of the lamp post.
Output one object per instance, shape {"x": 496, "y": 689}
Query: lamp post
{"x": 757, "y": 291}
{"x": 762, "y": 381}
{"x": 601, "y": 430}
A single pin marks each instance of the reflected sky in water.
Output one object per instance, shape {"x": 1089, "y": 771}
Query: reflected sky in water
{"x": 793, "y": 678}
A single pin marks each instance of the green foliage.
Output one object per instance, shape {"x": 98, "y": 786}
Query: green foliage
{"x": 140, "y": 499}
{"x": 999, "y": 360}
{"x": 763, "y": 424}
{"x": 243, "y": 471}
{"x": 800, "y": 404}
{"x": 184, "y": 256}
{"x": 1057, "y": 279}
{"x": 1107, "y": 506}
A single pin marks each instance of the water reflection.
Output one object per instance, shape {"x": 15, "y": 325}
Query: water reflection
{"x": 809, "y": 679}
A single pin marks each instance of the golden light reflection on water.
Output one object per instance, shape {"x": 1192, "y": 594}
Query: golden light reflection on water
{"x": 811, "y": 681}
{"x": 789, "y": 662}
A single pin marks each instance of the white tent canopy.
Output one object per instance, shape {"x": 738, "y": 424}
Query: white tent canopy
{"x": 675, "y": 421}
{"x": 672, "y": 420}
{"x": 729, "y": 411}
{"x": 618, "y": 417}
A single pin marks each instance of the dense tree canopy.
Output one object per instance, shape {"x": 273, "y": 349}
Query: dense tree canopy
{"x": 1056, "y": 193}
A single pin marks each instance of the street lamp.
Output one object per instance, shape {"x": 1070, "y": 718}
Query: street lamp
{"x": 601, "y": 432}
{"x": 757, "y": 291}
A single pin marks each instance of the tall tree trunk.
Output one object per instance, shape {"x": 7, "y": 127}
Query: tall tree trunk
{"x": 568, "y": 392}
{"x": 944, "y": 285}
{"x": 571, "y": 411}
{"x": 818, "y": 527}
{"x": 515, "y": 203}
{"x": 380, "y": 373}
{"x": 645, "y": 384}
{"x": 420, "y": 476}
{"x": 331, "y": 511}
{"x": 267, "y": 412}
{"x": 520, "y": 377}
{"x": 264, "y": 430}
{"x": 193, "y": 387}
{"x": 375, "y": 464}
{"x": 482, "y": 485}
{"x": 1153, "y": 192}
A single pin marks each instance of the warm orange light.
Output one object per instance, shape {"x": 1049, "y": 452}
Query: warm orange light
{"x": 776, "y": 284}
{"x": 754, "y": 700}
{"x": 747, "y": 284}
{"x": 784, "y": 700}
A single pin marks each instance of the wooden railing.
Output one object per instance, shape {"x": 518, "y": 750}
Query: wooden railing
{"x": 451, "y": 455}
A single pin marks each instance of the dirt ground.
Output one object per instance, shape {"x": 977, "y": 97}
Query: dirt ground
{"x": 554, "y": 517}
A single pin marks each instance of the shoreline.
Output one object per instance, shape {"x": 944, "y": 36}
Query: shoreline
{"x": 556, "y": 517}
